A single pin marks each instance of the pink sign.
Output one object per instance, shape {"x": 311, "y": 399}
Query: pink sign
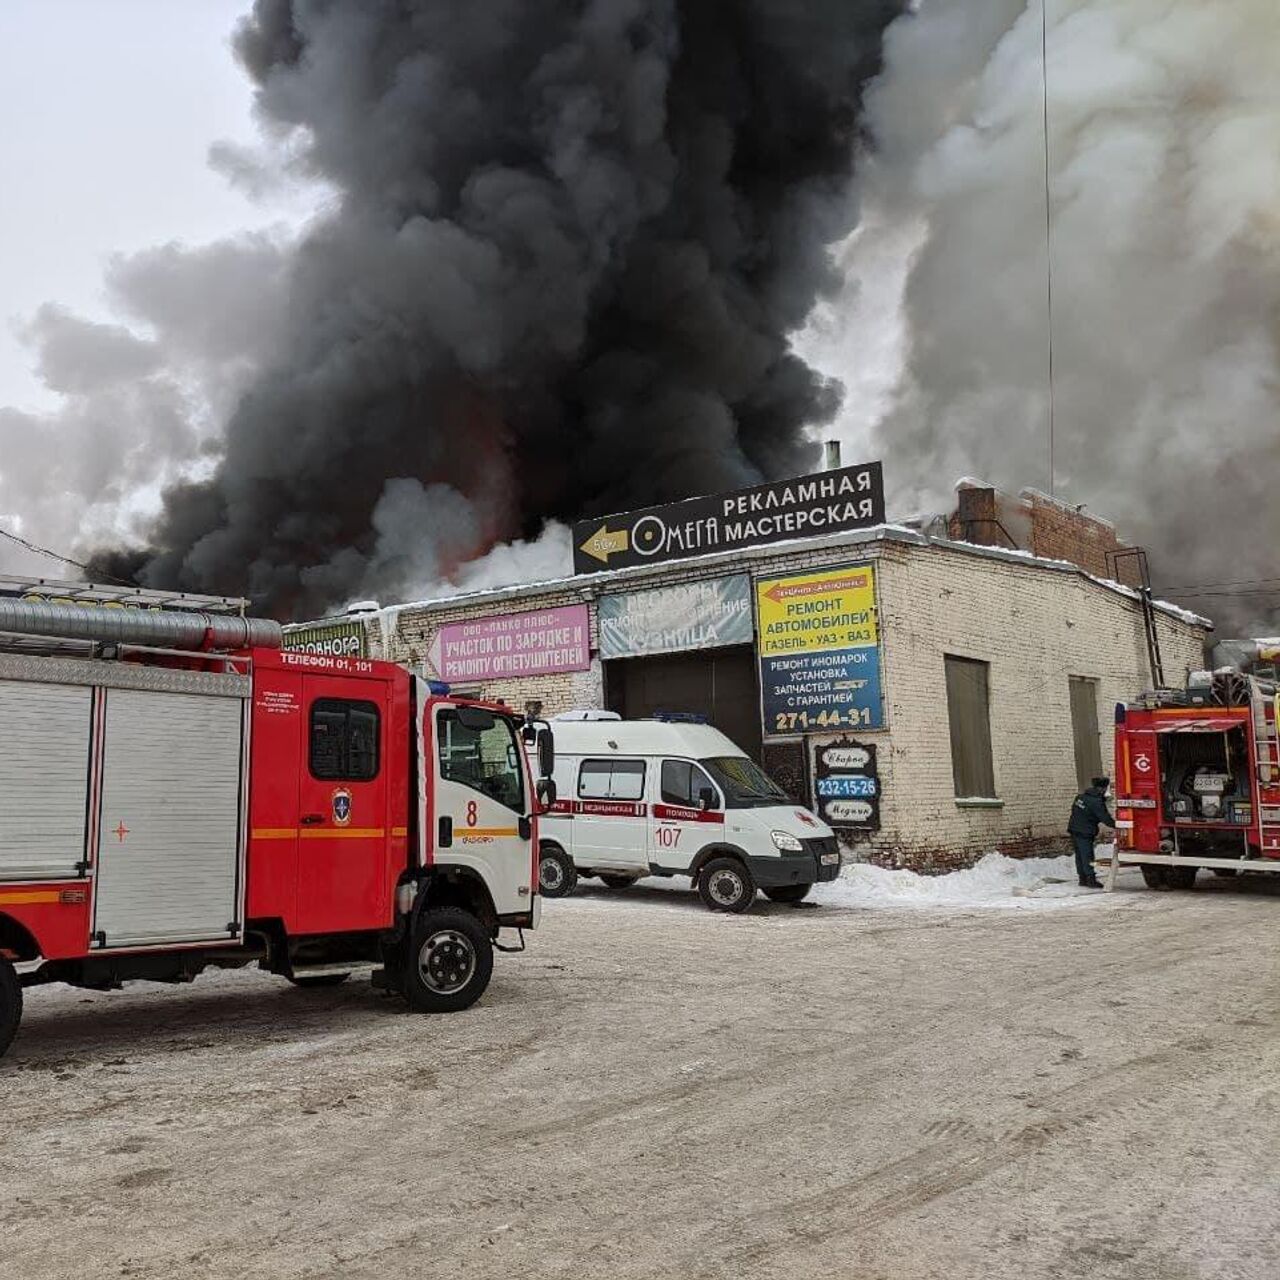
{"x": 513, "y": 644}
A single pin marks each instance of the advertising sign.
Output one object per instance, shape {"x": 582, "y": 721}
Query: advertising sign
{"x": 538, "y": 643}
{"x": 847, "y": 785}
{"x": 337, "y": 639}
{"x": 819, "y": 651}
{"x": 828, "y": 502}
{"x": 693, "y": 615}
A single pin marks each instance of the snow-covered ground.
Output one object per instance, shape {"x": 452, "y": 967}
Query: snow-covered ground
{"x": 996, "y": 881}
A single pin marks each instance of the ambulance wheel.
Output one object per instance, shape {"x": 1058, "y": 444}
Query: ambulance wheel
{"x": 10, "y": 1005}
{"x": 1153, "y": 876}
{"x": 618, "y": 882}
{"x": 557, "y": 876}
{"x": 450, "y": 961}
{"x": 724, "y": 884}
{"x": 1180, "y": 877}
{"x": 788, "y": 893}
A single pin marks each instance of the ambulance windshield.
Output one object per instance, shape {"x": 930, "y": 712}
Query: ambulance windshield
{"x": 744, "y": 783}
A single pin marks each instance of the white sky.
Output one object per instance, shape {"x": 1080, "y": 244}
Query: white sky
{"x": 108, "y": 108}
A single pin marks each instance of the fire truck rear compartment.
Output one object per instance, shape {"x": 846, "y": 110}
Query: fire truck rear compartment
{"x": 1207, "y": 790}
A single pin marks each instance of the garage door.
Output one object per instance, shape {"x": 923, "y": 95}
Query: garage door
{"x": 719, "y": 684}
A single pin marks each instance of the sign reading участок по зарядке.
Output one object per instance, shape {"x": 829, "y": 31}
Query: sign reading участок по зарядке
{"x": 828, "y": 502}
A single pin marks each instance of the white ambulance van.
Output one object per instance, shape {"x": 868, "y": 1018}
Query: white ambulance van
{"x": 675, "y": 797}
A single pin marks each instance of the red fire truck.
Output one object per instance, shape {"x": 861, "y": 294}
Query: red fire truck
{"x": 178, "y": 792}
{"x": 1198, "y": 780}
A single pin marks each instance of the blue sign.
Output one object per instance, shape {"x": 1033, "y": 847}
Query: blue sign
{"x": 829, "y": 689}
{"x": 850, "y": 786}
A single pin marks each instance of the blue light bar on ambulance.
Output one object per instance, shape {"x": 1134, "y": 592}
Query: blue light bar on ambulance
{"x": 680, "y": 717}
{"x": 438, "y": 688}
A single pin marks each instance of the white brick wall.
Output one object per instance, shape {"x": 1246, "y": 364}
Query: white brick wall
{"x": 1035, "y": 627}
{"x": 1035, "y": 624}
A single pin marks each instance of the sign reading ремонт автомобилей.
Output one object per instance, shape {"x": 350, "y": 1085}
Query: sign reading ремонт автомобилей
{"x": 819, "y": 647}
{"x": 828, "y": 502}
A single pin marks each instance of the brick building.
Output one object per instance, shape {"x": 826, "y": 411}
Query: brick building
{"x": 1033, "y": 521}
{"x": 986, "y": 676}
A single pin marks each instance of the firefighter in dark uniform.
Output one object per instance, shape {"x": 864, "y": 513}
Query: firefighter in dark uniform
{"x": 1089, "y": 812}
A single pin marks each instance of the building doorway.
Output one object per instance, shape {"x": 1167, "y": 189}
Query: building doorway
{"x": 1084, "y": 729}
{"x": 720, "y": 684}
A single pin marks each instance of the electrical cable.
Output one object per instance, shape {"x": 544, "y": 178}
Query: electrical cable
{"x": 56, "y": 555}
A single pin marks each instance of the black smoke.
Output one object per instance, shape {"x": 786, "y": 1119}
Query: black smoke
{"x": 567, "y": 243}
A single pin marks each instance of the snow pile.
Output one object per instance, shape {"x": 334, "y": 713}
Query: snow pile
{"x": 996, "y": 881}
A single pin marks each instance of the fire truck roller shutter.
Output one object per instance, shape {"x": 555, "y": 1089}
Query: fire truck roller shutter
{"x": 170, "y": 825}
{"x": 44, "y": 779}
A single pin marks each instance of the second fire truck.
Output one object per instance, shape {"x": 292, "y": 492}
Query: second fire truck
{"x": 178, "y": 792}
{"x": 1197, "y": 779}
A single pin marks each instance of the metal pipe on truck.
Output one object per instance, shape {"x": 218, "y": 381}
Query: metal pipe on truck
{"x": 161, "y": 628}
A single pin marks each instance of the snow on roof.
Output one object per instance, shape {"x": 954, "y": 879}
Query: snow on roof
{"x": 589, "y": 585}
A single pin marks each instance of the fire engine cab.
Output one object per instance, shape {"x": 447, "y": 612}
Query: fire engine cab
{"x": 1198, "y": 780}
{"x": 177, "y": 791}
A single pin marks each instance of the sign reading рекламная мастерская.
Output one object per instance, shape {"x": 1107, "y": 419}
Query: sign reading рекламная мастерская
{"x": 829, "y": 502}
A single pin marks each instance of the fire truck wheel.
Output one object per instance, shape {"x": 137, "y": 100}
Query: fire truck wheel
{"x": 724, "y": 884}
{"x": 1225, "y": 873}
{"x": 1180, "y": 877}
{"x": 450, "y": 961}
{"x": 10, "y": 1005}
{"x": 618, "y": 882}
{"x": 1153, "y": 876}
{"x": 557, "y": 876}
{"x": 788, "y": 893}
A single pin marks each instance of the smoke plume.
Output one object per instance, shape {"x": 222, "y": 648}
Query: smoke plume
{"x": 567, "y": 245}
{"x": 1164, "y": 191}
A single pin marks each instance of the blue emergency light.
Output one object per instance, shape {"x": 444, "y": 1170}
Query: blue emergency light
{"x": 438, "y": 688}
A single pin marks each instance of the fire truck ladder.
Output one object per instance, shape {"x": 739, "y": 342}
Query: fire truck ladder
{"x": 1138, "y": 557}
{"x": 1267, "y": 760}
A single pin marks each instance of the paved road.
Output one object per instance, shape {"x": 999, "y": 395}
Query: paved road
{"x": 654, "y": 1091}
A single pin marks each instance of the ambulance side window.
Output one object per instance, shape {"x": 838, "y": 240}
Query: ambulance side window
{"x": 677, "y": 782}
{"x": 684, "y": 782}
{"x": 344, "y": 740}
{"x": 611, "y": 780}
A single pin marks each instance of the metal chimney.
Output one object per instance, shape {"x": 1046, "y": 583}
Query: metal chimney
{"x": 831, "y": 455}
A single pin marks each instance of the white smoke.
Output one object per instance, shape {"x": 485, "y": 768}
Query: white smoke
{"x": 1164, "y": 186}
{"x": 547, "y": 557}
{"x": 139, "y": 400}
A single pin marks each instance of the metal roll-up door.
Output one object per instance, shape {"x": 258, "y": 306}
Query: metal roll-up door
{"x": 44, "y": 779}
{"x": 169, "y": 838}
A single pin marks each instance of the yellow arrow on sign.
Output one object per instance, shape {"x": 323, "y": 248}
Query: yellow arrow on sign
{"x": 603, "y": 543}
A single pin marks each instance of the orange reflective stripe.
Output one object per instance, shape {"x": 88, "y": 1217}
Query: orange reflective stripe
{"x": 29, "y": 896}
{"x": 341, "y": 833}
{"x": 399, "y": 831}
{"x": 274, "y": 833}
{"x": 484, "y": 831}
